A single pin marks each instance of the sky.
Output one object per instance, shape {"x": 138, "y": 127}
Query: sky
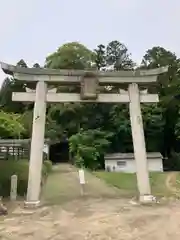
{"x": 32, "y": 29}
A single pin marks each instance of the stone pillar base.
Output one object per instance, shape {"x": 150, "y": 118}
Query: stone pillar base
{"x": 145, "y": 199}
{"x": 31, "y": 204}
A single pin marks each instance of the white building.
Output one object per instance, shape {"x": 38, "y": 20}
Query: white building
{"x": 125, "y": 162}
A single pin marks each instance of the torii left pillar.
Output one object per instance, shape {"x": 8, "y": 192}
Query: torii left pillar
{"x": 37, "y": 144}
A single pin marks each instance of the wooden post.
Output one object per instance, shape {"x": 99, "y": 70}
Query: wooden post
{"x": 82, "y": 180}
{"x": 13, "y": 193}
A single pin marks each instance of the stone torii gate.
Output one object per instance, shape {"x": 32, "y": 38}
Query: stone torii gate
{"x": 90, "y": 83}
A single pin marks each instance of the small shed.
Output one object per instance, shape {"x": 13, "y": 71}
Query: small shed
{"x": 125, "y": 162}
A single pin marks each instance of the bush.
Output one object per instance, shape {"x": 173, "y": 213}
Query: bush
{"x": 48, "y": 166}
{"x": 87, "y": 147}
{"x": 9, "y": 168}
{"x": 19, "y": 168}
{"x": 173, "y": 162}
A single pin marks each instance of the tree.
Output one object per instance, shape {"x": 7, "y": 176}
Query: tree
{"x": 10, "y": 125}
{"x": 70, "y": 56}
{"x": 26, "y": 119}
{"x": 61, "y": 114}
{"x": 22, "y": 63}
{"x": 100, "y": 57}
{"x": 154, "y": 123}
{"x": 88, "y": 146}
{"x": 118, "y": 56}
{"x": 36, "y": 65}
{"x": 9, "y": 86}
{"x": 168, "y": 82}
{"x": 121, "y": 127}
{"x": 168, "y": 88}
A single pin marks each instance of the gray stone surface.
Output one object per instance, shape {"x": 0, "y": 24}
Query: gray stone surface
{"x": 10, "y": 69}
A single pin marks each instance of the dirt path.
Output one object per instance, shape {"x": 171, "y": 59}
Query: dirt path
{"x": 171, "y": 183}
{"x": 97, "y": 217}
{"x": 63, "y": 185}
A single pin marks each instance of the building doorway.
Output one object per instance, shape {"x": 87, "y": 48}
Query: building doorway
{"x": 59, "y": 152}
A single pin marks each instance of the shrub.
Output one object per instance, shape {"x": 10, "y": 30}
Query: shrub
{"x": 48, "y": 166}
{"x": 174, "y": 162}
{"x": 9, "y": 168}
{"x": 88, "y": 146}
{"x": 19, "y": 168}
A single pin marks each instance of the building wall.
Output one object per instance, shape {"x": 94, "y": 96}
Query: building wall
{"x": 154, "y": 165}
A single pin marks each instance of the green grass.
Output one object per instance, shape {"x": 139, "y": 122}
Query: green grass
{"x": 21, "y": 169}
{"x": 127, "y": 182}
{"x": 124, "y": 181}
{"x": 61, "y": 186}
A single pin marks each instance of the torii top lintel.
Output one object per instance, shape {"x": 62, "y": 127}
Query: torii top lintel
{"x": 74, "y": 76}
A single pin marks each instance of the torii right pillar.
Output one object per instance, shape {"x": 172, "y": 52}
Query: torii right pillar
{"x": 139, "y": 144}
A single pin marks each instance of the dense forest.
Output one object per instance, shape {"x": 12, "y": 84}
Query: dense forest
{"x": 93, "y": 129}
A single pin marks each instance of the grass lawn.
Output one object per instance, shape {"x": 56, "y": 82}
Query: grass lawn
{"x": 128, "y": 184}
{"x": 62, "y": 185}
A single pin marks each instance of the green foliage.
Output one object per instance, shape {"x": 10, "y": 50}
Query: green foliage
{"x": 88, "y": 146}
{"x": 19, "y": 168}
{"x": 10, "y": 125}
{"x": 177, "y": 126}
{"x": 48, "y": 166}
{"x": 9, "y": 168}
{"x": 167, "y": 83}
{"x": 100, "y": 57}
{"x": 36, "y": 65}
{"x": 120, "y": 124}
{"x": 9, "y": 86}
{"x": 118, "y": 56}
{"x": 70, "y": 56}
{"x": 173, "y": 162}
{"x": 59, "y": 115}
{"x": 26, "y": 120}
{"x": 22, "y": 63}
{"x": 161, "y": 121}
{"x": 168, "y": 89}
{"x": 115, "y": 54}
{"x": 153, "y": 125}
